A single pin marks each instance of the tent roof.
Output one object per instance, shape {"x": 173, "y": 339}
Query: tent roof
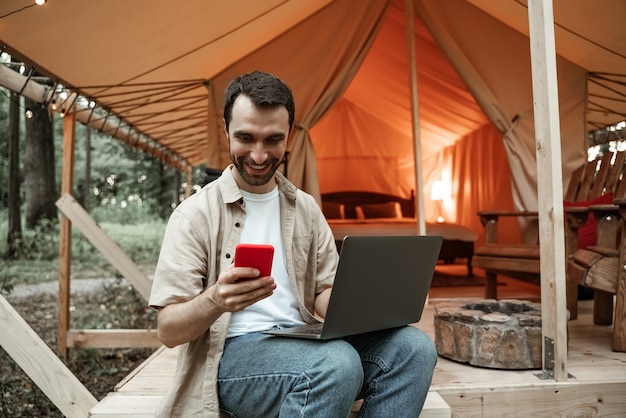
{"x": 151, "y": 63}
{"x": 147, "y": 62}
{"x": 589, "y": 34}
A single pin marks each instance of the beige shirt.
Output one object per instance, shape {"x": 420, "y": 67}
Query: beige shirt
{"x": 199, "y": 243}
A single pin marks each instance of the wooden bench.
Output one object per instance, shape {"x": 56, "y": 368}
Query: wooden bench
{"x": 140, "y": 392}
{"x": 591, "y": 182}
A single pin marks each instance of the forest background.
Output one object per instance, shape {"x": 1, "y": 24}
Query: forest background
{"x": 127, "y": 192}
{"x": 115, "y": 183}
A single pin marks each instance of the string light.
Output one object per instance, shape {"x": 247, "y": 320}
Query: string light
{"x": 40, "y": 2}
{"x": 28, "y": 113}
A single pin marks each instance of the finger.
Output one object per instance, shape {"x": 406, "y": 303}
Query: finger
{"x": 245, "y": 273}
{"x": 242, "y": 300}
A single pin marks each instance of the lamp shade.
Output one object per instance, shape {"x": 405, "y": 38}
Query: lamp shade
{"x": 441, "y": 190}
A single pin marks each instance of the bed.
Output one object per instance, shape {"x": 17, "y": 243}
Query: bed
{"x": 370, "y": 213}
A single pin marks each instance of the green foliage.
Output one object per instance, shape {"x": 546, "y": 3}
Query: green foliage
{"x": 40, "y": 243}
{"x": 125, "y": 213}
{"x": 37, "y": 260}
{"x": 141, "y": 241}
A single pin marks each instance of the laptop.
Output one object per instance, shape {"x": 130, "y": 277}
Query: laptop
{"x": 381, "y": 282}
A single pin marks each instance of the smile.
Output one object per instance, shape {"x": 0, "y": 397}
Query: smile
{"x": 257, "y": 166}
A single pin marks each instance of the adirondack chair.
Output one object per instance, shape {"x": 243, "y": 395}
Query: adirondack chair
{"x": 594, "y": 182}
{"x": 602, "y": 267}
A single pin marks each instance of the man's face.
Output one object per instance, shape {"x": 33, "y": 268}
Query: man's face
{"x": 258, "y": 139}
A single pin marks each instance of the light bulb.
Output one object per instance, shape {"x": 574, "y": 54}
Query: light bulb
{"x": 40, "y": 2}
{"x": 28, "y": 113}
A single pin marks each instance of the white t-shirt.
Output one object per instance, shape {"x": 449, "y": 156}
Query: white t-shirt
{"x": 262, "y": 226}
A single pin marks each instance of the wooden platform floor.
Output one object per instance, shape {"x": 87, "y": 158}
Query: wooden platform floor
{"x": 597, "y": 386}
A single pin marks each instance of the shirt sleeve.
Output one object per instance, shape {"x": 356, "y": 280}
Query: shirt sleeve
{"x": 182, "y": 266}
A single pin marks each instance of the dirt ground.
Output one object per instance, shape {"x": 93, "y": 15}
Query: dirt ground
{"x": 106, "y": 303}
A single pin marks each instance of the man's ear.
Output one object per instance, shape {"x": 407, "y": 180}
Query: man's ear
{"x": 225, "y": 130}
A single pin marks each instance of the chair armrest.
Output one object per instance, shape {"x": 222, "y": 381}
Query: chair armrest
{"x": 489, "y": 220}
{"x": 604, "y": 210}
{"x": 497, "y": 213}
{"x": 487, "y": 216}
{"x": 577, "y": 215}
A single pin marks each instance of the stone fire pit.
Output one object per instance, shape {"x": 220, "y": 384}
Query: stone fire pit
{"x": 504, "y": 334}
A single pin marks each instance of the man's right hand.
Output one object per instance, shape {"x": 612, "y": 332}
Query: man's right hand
{"x": 235, "y": 289}
{"x": 239, "y": 287}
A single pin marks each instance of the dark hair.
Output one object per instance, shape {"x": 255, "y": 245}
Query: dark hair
{"x": 264, "y": 89}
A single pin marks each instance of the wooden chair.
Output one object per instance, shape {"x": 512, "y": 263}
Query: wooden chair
{"x": 592, "y": 183}
{"x": 603, "y": 267}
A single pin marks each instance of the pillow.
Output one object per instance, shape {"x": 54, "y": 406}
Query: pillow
{"x": 379, "y": 210}
{"x": 333, "y": 210}
{"x": 587, "y": 234}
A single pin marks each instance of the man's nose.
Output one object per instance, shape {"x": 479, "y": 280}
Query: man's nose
{"x": 258, "y": 152}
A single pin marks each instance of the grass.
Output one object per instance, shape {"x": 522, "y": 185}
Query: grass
{"x": 38, "y": 257}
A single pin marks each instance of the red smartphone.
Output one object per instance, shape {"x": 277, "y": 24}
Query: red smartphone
{"x": 259, "y": 256}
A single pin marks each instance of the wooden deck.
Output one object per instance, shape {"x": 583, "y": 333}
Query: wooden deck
{"x": 597, "y": 386}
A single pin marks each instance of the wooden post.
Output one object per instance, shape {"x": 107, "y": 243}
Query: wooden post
{"x": 65, "y": 239}
{"x": 550, "y": 189}
{"x": 417, "y": 143}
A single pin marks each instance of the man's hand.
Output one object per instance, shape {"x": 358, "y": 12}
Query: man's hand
{"x": 235, "y": 289}
{"x": 239, "y": 287}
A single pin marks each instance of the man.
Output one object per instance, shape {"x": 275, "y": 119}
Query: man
{"x": 226, "y": 364}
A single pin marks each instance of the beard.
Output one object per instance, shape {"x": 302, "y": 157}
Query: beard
{"x": 253, "y": 179}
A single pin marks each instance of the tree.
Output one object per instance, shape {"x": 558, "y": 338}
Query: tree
{"x": 13, "y": 201}
{"x": 39, "y": 167}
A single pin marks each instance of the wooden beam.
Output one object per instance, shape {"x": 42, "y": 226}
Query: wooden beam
{"x": 535, "y": 400}
{"x": 550, "y": 189}
{"x": 75, "y": 212}
{"x": 113, "y": 338}
{"x": 65, "y": 238}
{"x": 44, "y": 368}
{"x": 41, "y": 94}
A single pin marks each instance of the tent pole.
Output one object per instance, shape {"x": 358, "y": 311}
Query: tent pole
{"x": 65, "y": 234}
{"x": 417, "y": 147}
{"x": 549, "y": 188}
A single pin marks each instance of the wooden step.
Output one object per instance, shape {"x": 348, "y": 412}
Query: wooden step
{"x": 121, "y": 405}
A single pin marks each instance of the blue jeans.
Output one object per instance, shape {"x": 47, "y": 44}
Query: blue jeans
{"x": 265, "y": 376}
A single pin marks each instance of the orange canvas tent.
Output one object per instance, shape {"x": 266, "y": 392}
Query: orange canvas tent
{"x": 158, "y": 70}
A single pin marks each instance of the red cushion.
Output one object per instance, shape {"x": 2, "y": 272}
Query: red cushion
{"x": 587, "y": 234}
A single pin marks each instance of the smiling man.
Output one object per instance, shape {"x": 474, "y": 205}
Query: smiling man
{"x": 226, "y": 364}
